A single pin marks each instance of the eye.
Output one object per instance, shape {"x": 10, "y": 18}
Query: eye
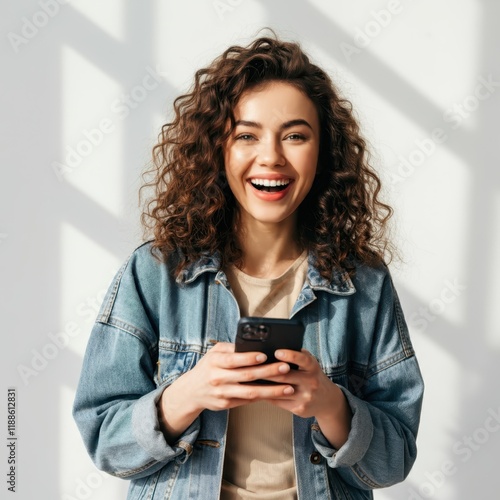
{"x": 245, "y": 137}
{"x": 295, "y": 137}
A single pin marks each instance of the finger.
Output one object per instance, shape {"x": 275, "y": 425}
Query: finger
{"x": 303, "y": 359}
{"x": 228, "y": 393}
{"x": 252, "y": 373}
{"x": 231, "y": 360}
{"x": 294, "y": 378}
{"x": 235, "y": 360}
{"x": 254, "y": 392}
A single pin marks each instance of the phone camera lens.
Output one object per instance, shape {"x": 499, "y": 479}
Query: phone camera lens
{"x": 255, "y": 332}
{"x": 261, "y": 332}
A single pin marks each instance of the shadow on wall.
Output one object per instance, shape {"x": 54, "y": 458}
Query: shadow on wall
{"x": 467, "y": 343}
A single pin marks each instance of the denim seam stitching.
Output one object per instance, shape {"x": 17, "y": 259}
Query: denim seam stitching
{"x": 402, "y": 330}
{"x": 104, "y": 316}
{"x": 135, "y": 332}
{"x": 152, "y": 488}
{"x": 361, "y": 475}
{"x": 127, "y": 327}
{"x": 166, "y": 345}
{"x": 135, "y": 471}
{"x": 387, "y": 363}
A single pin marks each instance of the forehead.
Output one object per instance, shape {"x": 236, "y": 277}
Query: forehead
{"x": 275, "y": 101}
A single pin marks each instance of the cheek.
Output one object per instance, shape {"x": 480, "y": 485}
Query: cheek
{"x": 309, "y": 165}
{"x": 239, "y": 156}
{"x": 236, "y": 162}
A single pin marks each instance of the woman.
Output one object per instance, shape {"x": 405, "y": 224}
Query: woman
{"x": 264, "y": 205}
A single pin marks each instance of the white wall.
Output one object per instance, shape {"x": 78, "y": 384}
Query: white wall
{"x": 409, "y": 67}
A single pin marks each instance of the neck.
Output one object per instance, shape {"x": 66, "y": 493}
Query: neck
{"x": 268, "y": 249}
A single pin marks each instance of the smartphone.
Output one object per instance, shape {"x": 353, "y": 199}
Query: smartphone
{"x": 269, "y": 334}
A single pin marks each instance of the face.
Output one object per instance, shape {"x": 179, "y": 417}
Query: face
{"x": 272, "y": 154}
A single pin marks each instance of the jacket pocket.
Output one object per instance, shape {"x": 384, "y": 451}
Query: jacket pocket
{"x": 174, "y": 359}
{"x": 343, "y": 491}
{"x": 340, "y": 492}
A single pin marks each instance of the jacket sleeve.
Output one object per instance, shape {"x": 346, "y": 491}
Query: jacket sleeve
{"x": 115, "y": 404}
{"x": 385, "y": 400}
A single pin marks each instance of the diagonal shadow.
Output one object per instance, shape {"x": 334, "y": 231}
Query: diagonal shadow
{"x": 115, "y": 59}
{"x": 481, "y": 258}
{"x": 467, "y": 344}
{"x": 111, "y": 56}
{"x": 383, "y": 79}
{"x": 82, "y": 211}
{"x": 75, "y": 207}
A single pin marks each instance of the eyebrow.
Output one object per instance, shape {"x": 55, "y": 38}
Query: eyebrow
{"x": 284, "y": 126}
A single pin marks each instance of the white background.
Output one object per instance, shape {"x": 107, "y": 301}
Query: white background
{"x": 64, "y": 230}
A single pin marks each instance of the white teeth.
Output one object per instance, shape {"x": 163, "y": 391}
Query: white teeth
{"x": 270, "y": 183}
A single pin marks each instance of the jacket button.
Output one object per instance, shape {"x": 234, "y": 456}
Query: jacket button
{"x": 315, "y": 458}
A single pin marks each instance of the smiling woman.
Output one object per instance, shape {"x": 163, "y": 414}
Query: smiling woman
{"x": 264, "y": 205}
{"x": 271, "y": 156}
{"x": 341, "y": 217}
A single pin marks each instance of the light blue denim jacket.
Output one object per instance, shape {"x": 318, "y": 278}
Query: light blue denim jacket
{"x": 153, "y": 327}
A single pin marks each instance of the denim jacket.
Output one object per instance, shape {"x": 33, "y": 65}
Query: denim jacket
{"x": 153, "y": 327}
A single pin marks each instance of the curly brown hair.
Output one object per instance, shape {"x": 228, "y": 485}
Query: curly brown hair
{"x": 193, "y": 211}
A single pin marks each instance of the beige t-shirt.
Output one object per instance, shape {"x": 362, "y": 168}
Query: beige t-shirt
{"x": 258, "y": 461}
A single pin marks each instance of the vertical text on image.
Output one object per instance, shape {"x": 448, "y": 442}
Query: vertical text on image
{"x": 11, "y": 439}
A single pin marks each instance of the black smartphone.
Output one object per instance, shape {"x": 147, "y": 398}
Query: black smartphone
{"x": 269, "y": 334}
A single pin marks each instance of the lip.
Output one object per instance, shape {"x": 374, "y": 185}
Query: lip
{"x": 266, "y": 195}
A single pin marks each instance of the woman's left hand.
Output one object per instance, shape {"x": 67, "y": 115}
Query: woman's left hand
{"x": 315, "y": 395}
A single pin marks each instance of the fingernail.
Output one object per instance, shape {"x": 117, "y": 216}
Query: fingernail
{"x": 261, "y": 357}
{"x": 284, "y": 368}
{"x": 288, "y": 390}
{"x": 279, "y": 354}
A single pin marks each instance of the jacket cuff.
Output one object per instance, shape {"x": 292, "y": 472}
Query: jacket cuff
{"x": 146, "y": 429}
{"x": 359, "y": 438}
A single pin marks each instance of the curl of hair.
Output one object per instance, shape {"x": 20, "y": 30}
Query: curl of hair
{"x": 193, "y": 212}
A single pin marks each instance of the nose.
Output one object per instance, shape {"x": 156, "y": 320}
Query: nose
{"x": 271, "y": 153}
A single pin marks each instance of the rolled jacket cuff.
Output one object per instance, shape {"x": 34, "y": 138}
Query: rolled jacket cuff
{"x": 146, "y": 429}
{"x": 359, "y": 438}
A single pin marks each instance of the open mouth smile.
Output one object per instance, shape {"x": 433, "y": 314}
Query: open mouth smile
{"x": 270, "y": 186}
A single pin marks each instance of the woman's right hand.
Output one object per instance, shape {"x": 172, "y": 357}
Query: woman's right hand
{"x": 215, "y": 384}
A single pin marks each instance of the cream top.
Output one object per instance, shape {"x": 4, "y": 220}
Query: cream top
{"x": 258, "y": 460}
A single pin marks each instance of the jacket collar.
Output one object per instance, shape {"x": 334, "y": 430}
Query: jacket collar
{"x": 339, "y": 284}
